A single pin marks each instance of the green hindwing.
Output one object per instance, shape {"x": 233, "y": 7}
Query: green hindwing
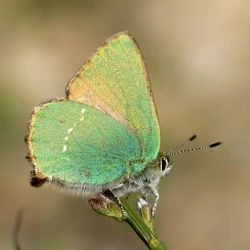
{"x": 78, "y": 144}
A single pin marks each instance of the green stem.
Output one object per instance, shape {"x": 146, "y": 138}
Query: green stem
{"x": 141, "y": 229}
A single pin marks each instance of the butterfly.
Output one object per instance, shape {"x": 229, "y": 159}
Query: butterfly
{"x": 104, "y": 135}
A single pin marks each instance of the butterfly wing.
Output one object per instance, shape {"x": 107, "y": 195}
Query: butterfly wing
{"x": 77, "y": 144}
{"x": 115, "y": 81}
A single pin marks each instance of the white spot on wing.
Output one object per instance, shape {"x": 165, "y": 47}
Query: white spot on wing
{"x": 64, "y": 148}
{"x": 66, "y": 138}
{"x": 70, "y": 130}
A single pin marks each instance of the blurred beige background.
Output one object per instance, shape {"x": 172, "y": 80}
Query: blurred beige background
{"x": 198, "y": 55}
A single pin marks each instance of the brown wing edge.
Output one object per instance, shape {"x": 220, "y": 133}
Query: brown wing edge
{"x": 37, "y": 178}
{"x": 144, "y": 65}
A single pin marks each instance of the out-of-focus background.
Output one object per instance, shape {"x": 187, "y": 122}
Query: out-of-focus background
{"x": 198, "y": 56}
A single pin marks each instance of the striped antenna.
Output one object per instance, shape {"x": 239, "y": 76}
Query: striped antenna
{"x": 181, "y": 145}
{"x": 171, "y": 153}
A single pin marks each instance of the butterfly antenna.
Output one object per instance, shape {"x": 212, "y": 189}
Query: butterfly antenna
{"x": 171, "y": 153}
{"x": 181, "y": 145}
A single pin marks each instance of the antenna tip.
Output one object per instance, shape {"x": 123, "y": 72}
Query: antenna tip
{"x": 192, "y": 137}
{"x": 215, "y": 144}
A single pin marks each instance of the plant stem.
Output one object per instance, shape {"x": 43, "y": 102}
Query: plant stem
{"x": 140, "y": 227}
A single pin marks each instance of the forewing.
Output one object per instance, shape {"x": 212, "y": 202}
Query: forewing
{"x": 78, "y": 144}
{"x": 115, "y": 81}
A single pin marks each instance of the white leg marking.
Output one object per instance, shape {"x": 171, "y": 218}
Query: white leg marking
{"x": 156, "y": 196}
{"x": 49, "y": 179}
{"x": 152, "y": 191}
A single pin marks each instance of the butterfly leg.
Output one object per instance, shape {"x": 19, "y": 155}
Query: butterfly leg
{"x": 157, "y": 196}
{"x": 152, "y": 191}
{"x": 111, "y": 195}
{"x": 124, "y": 189}
{"x": 124, "y": 214}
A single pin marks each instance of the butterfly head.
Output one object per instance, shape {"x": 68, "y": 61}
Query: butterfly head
{"x": 165, "y": 165}
{"x": 157, "y": 169}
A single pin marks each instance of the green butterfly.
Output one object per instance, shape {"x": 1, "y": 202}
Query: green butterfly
{"x": 105, "y": 134}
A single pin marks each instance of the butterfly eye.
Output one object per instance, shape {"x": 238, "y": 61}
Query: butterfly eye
{"x": 164, "y": 163}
